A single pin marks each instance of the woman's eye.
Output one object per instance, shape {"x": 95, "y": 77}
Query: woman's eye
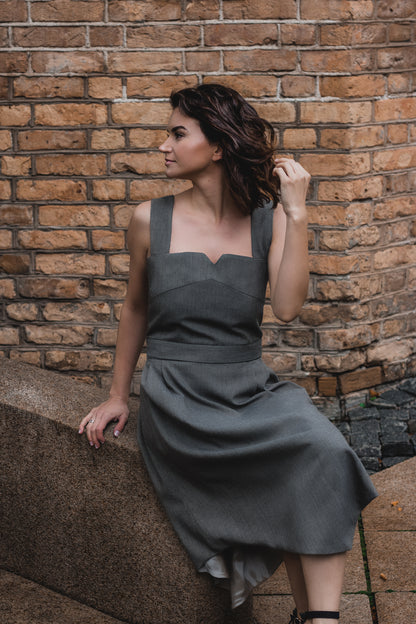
{"x": 178, "y": 135}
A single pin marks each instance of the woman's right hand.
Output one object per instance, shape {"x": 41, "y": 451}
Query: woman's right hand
{"x": 94, "y": 424}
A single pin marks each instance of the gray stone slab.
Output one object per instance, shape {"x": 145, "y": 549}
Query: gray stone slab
{"x": 397, "y": 396}
{"x": 394, "y": 484}
{"x": 363, "y": 413}
{"x": 25, "y": 602}
{"x": 396, "y": 607}
{"x": 391, "y": 560}
{"x": 409, "y": 386}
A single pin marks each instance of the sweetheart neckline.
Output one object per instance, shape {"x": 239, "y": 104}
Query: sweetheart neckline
{"x": 204, "y": 255}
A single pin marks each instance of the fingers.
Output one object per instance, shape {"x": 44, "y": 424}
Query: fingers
{"x": 99, "y": 417}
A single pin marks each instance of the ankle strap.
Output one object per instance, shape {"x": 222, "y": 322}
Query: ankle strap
{"x": 328, "y": 615}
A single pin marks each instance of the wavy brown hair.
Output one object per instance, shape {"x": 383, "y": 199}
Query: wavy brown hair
{"x": 247, "y": 140}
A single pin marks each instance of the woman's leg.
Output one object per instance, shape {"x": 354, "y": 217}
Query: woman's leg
{"x": 294, "y": 571}
{"x": 324, "y": 577}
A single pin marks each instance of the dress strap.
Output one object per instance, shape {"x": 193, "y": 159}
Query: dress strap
{"x": 261, "y": 230}
{"x": 161, "y": 224}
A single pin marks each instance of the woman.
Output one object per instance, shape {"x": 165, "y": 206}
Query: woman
{"x": 250, "y": 473}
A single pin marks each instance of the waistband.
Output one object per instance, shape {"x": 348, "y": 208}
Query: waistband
{"x": 210, "y": 354}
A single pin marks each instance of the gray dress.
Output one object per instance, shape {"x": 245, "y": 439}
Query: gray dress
{"x": 244, "y": 464}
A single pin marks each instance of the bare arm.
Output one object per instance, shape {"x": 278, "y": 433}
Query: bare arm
{"x": 288, "y": 255}
{"x": 131, "y": 333}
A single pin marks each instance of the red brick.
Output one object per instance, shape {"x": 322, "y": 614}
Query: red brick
{"x": 105, "y": 88}
{"x": 70, "y": 114}
{"x": 333, "y": 265}
{"x": 15, "y": 165}
{"x": 158, "y": 86}
{"x": 5, "y": 190}
{"x": 202, "y": 9}
{"x": 15, "y": 215}
{"x": 48, "y": 87}
{"x": 51, "y": 139}
{"x": 396, "y": 58}
{"x": 53, "y": 288}
{"x": 79, "y": 360}
{"x": 335, "y": 112}
{"x": 298, "y": 86}
{"x": 144, "y": 137}
{"x": 141, "y": 113}
{"x": 108, "y": 190}
{"x": 4, "y": 87}
{"x": 392, "y": 351}
{"x": 399, "y": 158}
{"x": 364, "y": 85}
{"x": 353, "y": 34}
{"x": 141, "y": 190}
{"x": 15, "y": 9}
{"x": 30, "y": 357}
{"x": 144, "y": 62}
{"x": 158, "y": 36}
{"x": 280, "y": 362}
{"x": 7, "y": 289}
{"x": 58, "y": 190}
{"x": 108, "y": 241}
{"x": 395, "y": 108}
{"x": 336, "y": 9}
{"x": 340, "y": 138}
{"x": 262, "y": 9}
{"x": 276, "y": 112}
{"x": 138, "y": 162}
{"x": 88, "y": 311}
{"x": 202, "y": 61}
{"x": 133, "y": 11}
{"x": 106, "y": 36}
{"x": 349, "y": 190}
{"x": 74, "y": 62}
{"x": 108, "y": 139}
{"x": 338, "y": 363}
{"x": 110, "y": 288}
{"x": 119, "y": 264}
{"x": 394, "y": 327}
{"x": 22, "y": 311}
{"x": 397, "y": 133}
{"x": 399, "y": 83}
{"x": 14, "y": 115}
{"x": 52, "y": 239}
{"x": 298, "y": 34}
{"x": 360, "y": 379}
{"x": 240, "y": 34}
{"x": 327, "y": 386}
{"x": 259, "y": 60}
{"x": 44, "y": 334}
{"x": 9, "y": 336}
{"x": 395, "y": 256}
{"x": 400, "y": 32}
{"x": 72, "y": 164}
{"x": 339, "y": 165}
{"x": 107, "y": 337}
{"x": 299, "y": 138}
{"x": 400, "y": 8}
{"x": 49, "y": 36}
{"x": 5, "y": 140}
{"x": 5, "y": 239}
{"x": 68, "y": 11}
{"x": 249, "y": 85}
{"x": 14, "y": 62}
{"x": 337, "y": 60}
{"x": 74, "y": 216}
{"x": 341, "y": 339}
{"x": 70, "y": 264}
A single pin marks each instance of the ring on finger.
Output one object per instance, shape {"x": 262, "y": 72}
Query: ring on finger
{"x": 91, "y": 421}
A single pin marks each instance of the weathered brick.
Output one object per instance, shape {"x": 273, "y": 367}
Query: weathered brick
{"x": 53, "y": 288}
{"x": 48, "y": 87}
{"x": 144, "y": 61}
{"x": 53, "y": 334}
{"x": 14, "y": 115}
{"x": 122, "y": 215}
{"x": 298, "y": 86}
{"x": 70, "y": 114}
{"x": 133, "y": 11}
{"x": 14, "y": 62}
{"x": 395, "y": 256}
{"x": 337, "y": 60}
{"x": 400, "y": 32}
{"x": 68, "y": 11}
{"x": 141, "y": 113}
{"x": 397, "y": 207}
{"x": 15, "y": 165}
{"x": 74, "y": 62}
{"x": 262, "y": 9}
{"x": 202, "y": 9}
{"x": 14, "y": 263}
{"x": 5, "y": 140}
{"x": 52, "y": 239}
{"x": 297, "y": 138}
{"x": 146, "y": 137}
{"x": 55, "y": 190}
{"x": 401, "y": 8}
{"x": 349, "y": 190}
{"x": 119, "y": 264}
{"x": 341, "y": 339}
{"x": 336, "y": 9}
{"x": 107, "y": 337}
{"x": 86, "y": 359}
{"x": 17, "y": 9}
{"x": 22, "y": 311}
{"x": 392, "y": 351}
{"x": 395, "y": 108}
{"x": 157, "y": 36}
{"x": 107, "y": 139}
{"x": 70, "y": 216}
{"x": 142, "y": 190}
{"x": 108, "y": 190}
{"x": 365, "y": 85}
{"x": 30, "y": 357}
{"x": 105, "y": 88}
{"x": 240, "y": 34}
{"x": 298, "y": 34}
{"x": 49, "y": 36}
{"x": 72, "y": 164}
{"x": 13, "y": 214}
{"x": 51, "y": 139}
{"x": 5, "y": 239}
{"x": 399, "y": 83}
{"x": 338, "y": 363}
{"x": 335, "y": 112}
{"x": 9, "y": 336}
{"x": 364, "y": 378}
{"x": 249, "y": 85}
{"x": 276, "y": 112}
{"x": 110, "y": 288}
{"x": 202, "y": 60}
{"x": 106, "y": 36}
{"x": 396, "y": 58}
{"x": 5, "y": 189}
{"x": 70, "y": 264}
{"x": 7, "y": 288}
{"x": 259, "y": 60}
{"x": 88, "y": 311}
{"x": 399, "y": 158}
{"x": 335, "y": 265}
{"x": 106, "y": 240}
{"x": 353, "y": 34}
{"x": 342, "y": 165}
{"x": 158, "y": 86}
{"x": 138, "y": 162}
{"x": 280, "y": 362}
{"x": 327, "y": 386}
{"x": 340, "y": 138}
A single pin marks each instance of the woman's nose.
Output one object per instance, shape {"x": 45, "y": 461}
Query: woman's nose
{"x": 165, "y": 147}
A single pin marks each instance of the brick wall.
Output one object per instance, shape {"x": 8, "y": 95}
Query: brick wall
{"x": 84, "y": 87}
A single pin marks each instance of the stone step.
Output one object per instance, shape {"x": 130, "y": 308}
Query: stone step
{"x": 25, "y": 602}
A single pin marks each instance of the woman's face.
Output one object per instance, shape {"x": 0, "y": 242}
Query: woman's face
{"x": 187, "y": 150}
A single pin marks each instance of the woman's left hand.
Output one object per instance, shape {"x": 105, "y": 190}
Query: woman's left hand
{"x": 294, "y": 182}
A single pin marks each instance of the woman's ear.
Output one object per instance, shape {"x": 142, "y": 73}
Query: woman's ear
{"x": 217, "y": 155}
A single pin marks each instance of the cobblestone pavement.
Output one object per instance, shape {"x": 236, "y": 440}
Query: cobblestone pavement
{"x": 382, "y": 430}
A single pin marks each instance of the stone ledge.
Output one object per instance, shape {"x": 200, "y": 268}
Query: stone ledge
{"x": 87, "y": 523}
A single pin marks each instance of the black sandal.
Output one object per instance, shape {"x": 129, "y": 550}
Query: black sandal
{"x": 328, "y": 615}
{"x": 295, "y": 618}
